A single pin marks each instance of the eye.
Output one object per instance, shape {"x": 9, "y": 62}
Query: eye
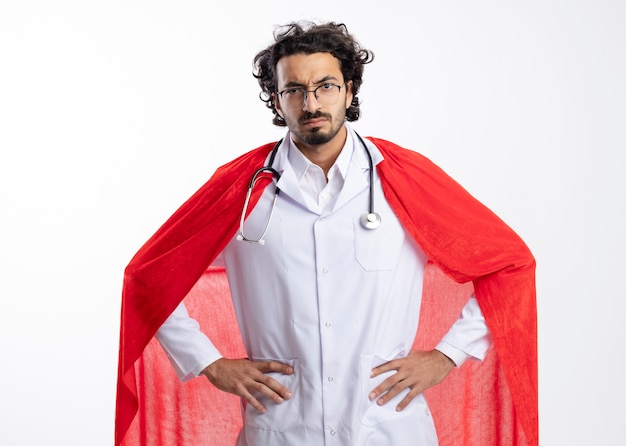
{"x": 292, "y": 91}
{"x": 327, "y": 86}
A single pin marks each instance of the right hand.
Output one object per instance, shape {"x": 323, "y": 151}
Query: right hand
{"x": 243, "y": 378}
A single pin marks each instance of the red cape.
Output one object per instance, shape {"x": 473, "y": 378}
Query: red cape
{"x": 493, "y": 403}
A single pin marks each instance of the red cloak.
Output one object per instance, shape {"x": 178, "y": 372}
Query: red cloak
{"x": 469, "y": 248}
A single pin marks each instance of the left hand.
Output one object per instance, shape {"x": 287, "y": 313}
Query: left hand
{"x": 418, "y": 371}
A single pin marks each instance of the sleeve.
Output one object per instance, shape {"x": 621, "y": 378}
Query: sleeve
{"x": 187, "y": 347}
{"x": 469, "y": 336}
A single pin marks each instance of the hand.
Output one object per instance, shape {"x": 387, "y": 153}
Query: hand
{"x": 418, "y": 371}
{"x": 242, "y": 377}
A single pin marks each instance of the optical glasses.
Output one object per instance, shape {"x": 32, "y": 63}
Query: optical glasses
{"x": 295, "y": 98}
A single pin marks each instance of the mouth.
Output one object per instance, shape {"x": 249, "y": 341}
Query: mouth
{"x": 313, "y": 123}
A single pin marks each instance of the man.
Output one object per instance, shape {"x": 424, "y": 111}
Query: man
{"x": 326, "y": 270}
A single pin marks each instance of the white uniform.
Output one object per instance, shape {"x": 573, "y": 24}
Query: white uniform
{"x": 331, "y": 299}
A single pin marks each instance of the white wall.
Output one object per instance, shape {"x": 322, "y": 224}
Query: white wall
{"x": 112, "y": 113}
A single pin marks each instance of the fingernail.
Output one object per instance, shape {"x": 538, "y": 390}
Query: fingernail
{"x": 287, "y": 395}
{"x": 372, "y": 395}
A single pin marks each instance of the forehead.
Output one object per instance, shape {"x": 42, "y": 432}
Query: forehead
{"x": 306, "y": 69}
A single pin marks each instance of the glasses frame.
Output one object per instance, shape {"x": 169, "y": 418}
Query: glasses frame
{"x": 307, "y": 90}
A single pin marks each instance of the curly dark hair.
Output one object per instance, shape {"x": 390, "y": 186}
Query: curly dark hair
{"x": 309, "y": 38}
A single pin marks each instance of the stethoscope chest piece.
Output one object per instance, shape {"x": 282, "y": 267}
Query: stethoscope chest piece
{"x": 370, "y": 220}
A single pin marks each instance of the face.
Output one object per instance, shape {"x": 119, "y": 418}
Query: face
{"x": 313, "y": 124}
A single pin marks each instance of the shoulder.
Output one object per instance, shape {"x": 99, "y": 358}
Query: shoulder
{"x": 234, "y": 175}
{"x": 248, "y": 159}
{"x": 394, "y": 154}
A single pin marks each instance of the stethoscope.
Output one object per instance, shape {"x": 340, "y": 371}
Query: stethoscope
{"x": 369, "y": 220}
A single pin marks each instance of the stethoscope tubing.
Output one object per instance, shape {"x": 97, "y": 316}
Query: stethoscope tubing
{"x": 369, "y": 220}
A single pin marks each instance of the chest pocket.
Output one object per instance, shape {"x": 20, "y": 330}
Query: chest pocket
{"x": 378, "y": 249}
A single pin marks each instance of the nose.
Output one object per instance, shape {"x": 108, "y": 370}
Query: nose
{"x": 311, "y": 103}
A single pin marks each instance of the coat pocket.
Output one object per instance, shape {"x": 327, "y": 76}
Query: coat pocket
{"x": 378, "y": 249}
{"x": 277, "y": 417}
{"x": 370, "y": 413}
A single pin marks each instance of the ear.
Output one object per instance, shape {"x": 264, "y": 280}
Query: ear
{"x": 349, "y": 94}
{"x": 277, "y": 105}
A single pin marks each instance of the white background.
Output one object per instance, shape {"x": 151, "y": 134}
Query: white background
{"x": 113, "y": 112}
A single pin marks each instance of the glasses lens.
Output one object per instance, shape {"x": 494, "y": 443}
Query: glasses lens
{"x": 294, "y": 98}
{"x": 327, "y": 94}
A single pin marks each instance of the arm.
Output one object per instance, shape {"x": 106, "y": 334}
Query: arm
{"x": 192, "y": 353}
{"x": 187, "y": 347}
{"x": 469, "y": 337}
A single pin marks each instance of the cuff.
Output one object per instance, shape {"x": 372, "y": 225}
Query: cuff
{"x": 197, "y": 370}
{"x": 457, "y": 356}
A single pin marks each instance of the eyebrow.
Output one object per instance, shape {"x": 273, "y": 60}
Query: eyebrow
{"x": 321, "y": 81}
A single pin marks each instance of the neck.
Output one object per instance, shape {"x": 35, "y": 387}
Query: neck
{"x": 324, "y": 155}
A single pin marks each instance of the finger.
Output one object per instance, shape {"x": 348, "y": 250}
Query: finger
{"x": 395, "y": 389}
{"x": 386, "y": 367}
{"x": 407, "y": 399}
{"x": 243, "y": 378}
{"x": 277, "y": 392}
{"x": 385, "y": 387}
{"x": 259, "y": 384}
{"x": 273, "y": 389}
{"x": 273, "y": 366}
{"x": 252, "y": 400}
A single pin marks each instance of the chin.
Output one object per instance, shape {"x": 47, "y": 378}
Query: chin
{"x": 317, "y": 139}
{"x": 316, "y": 136}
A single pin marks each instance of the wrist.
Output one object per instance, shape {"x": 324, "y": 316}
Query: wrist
{"x": 210, "y": 370}
{"x": 449, "y": 361}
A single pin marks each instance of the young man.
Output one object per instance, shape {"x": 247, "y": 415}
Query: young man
{"x": 326, "y": 269}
